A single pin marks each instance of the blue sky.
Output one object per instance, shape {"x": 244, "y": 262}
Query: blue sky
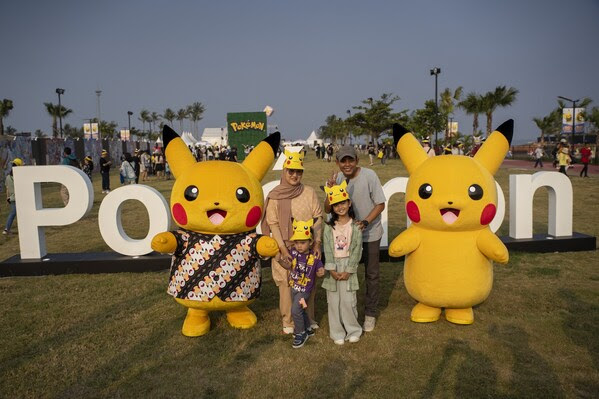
{"x": 306, "y": 59}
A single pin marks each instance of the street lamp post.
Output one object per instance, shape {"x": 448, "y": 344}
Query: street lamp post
{"x": 129, "y": 113}
{"x": 436, "y": 71}
{"x": 60, "y": 92}
{"x": 450, "y": 130}
{"x": 573, "y": 115}
{"x": 350, "y": 135}
{"x": 98, "y": 92}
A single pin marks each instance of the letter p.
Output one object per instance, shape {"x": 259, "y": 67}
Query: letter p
{"x": 33, "y": 217}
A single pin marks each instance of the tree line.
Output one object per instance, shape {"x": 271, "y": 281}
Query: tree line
{"x": 109, "y": 129}
{"x": 374, "y": 118}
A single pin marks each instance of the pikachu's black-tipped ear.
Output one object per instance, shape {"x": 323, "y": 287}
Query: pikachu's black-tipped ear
{"x": 168, "y": 134}
{"x": 259, "y": 160}
{"x": 273, "y": 140}
{"x": 492, "y": 152}
{"x": 176, "y": 152}
{"x": 398, "y": 132}
{"x": 507, "y": 129}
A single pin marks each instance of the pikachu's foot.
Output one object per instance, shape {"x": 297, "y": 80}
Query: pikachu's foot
{"x": 241, "y": 318}
{"x": 196, "y": 323}
{"x": 422, "y": 313}
{"x": 460, "y": 316}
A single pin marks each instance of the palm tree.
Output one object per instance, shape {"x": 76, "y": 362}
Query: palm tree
{"x": 56, "y": 112}
{"x": 154, "y": 117}
{"x": 144, "y": 116}
{"x": 195, "y": 112}
{"x": 551, "y": 123}
{"x": 181, "y": 116}
{"x": 5, "y": 107}
{"x": 501, "y": 97}
{"x": 447, "y": 105}
{"x": 472, "y": 104}
{"x": 169, "y": 115}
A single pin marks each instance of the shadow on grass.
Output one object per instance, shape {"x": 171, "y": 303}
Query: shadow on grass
{"x": 91, "y": 322}
{"x": 581, "y": 325}
{"x": 532, "y": 376}
{"x": 474, "y": 376}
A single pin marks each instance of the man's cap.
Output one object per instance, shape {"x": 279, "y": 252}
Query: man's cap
{"x": 104, "y": 152}
{"x": 346, "y": 151}
{"x": 88, "y": 158}
{"x": 17, "y": 162}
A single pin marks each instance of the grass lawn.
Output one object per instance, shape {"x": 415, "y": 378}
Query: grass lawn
{"x": 118, "y": 335}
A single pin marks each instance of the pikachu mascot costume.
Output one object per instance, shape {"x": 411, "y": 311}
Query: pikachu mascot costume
{"x": 450, "y": 200}
{"x": 217, "y": 205}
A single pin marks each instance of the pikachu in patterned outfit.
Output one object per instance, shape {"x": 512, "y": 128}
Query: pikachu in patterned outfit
{"x": 217, "y": 205}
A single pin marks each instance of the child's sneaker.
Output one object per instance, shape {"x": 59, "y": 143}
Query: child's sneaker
{"x": 339, "y": 341}
{"x": 369, "y": 323}
{"x": 310, "y": 332}
{"x": 299, "y": 340}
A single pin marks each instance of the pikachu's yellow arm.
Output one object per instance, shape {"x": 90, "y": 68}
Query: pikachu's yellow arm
{"x": 408, "y": 241}
{"x": 492, "y": 247}
{"x": 164, "y": 242}
{"x": 267, "y": 247}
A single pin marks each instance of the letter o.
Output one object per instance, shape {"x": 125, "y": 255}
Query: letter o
{"x": 110, "y": 223}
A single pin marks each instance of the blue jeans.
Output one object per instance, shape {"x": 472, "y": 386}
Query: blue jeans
{"x": 11, "y": 215}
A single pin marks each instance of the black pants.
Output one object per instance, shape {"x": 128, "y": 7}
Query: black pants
{"x": 562, "y": 169}
{"x": 585, "y": 170}
{"x": 539, "y": 162}
{"x": 105, "y": 180}
{"x": 372, "y": 268}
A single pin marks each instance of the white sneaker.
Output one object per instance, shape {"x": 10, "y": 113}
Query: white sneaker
{"x": 339, "y": 341}
{"x": 353, "y": 339}
{"x": 369, "y": 323}
{"x": 314, "y": 325}
{"x": 287, "y": 330}
{"x": 5, "y": 232}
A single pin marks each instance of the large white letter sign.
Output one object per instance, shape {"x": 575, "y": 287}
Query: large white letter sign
{"x": 111, "y": 227}
{"x": 31, "y": 214}
{"x": 522, "y": 189}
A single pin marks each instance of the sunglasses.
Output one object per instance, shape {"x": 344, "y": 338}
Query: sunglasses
{"x": 295, "y": 172}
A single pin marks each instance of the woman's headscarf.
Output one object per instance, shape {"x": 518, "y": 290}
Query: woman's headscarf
{"x": 283, "y": 193}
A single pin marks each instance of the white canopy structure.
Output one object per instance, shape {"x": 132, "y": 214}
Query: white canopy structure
{"x": 312, "y": 138}
{"x": 215, "y": 135}
{"x": 188, "y": 138}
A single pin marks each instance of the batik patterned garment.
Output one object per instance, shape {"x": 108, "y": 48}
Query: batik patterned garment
{"x": 207, "y": 265}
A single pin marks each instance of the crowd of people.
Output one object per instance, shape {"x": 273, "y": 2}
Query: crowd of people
{"x": 345, "y": 228}
{"x": 564, "y": 156}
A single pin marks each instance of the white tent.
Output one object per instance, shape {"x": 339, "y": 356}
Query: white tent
{"x": 215, "y": 135}
{"x": 312, "y": 138}
{"x": 188, "y": 138}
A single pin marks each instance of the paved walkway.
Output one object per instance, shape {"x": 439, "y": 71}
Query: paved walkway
{"x": 572, "y": 171}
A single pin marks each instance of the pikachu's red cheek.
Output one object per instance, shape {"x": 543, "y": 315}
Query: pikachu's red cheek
{"x": 488, "y": 214}
{"x": 253, "y": 216}
{"x": 179, "y": 214}
{"x": 413, "y": 211}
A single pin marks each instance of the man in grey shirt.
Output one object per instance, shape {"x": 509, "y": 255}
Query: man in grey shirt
{"x": 368, "y": 200}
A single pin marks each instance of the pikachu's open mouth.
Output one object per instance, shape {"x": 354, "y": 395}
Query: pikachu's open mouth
{"x": 450, "y": 215}
{"x": 216, "y": 216}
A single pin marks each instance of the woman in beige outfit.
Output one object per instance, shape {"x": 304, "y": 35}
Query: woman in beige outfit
{"x": 291, "y": 199}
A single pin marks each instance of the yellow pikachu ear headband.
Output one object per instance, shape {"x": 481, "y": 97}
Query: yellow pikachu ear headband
{"x": 337, "y": 193}
{"x": 302, "y": 230}
{"x": 294, "y": 160}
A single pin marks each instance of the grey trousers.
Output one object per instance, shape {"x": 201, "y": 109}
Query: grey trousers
{"x": 343, "y": 313}
{"x": 301, "y": 321}
{"x": 371, "y": 252}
